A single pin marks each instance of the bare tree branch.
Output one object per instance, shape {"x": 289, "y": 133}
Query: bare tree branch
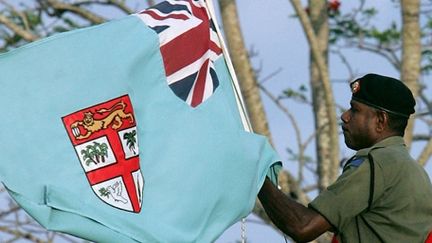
{"x": 9, "y": 211}
{"x": 25, "y": 34}
{"x": 301, "y": 145}
{"x": 323, "y": 70}
{"x": 116, "y": 3}
{"x": 426, "y": 154}
{"x": 21, "y": 234}
{"x": 387, "y": 53}
{"x": 270, "y": 76}
{"x": 62, "y": 7}
{"x": 345, "y": 62}
{"x": 424, "y": 98}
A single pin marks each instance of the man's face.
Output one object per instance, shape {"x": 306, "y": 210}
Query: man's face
{"x": 359, "y": 123}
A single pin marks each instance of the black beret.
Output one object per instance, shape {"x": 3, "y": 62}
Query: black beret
{"x": 384, "y": 93}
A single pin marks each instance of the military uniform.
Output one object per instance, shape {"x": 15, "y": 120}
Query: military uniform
{"x": 400, "y": 209}
{"x": 383, "y": 194}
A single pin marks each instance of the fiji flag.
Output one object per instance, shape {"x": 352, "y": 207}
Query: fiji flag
{"x": 130, "y": 131}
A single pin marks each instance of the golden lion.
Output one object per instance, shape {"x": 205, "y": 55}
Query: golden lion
{"x": 91, "y": 125}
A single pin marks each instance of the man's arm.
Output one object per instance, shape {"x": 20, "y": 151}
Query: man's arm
{"x": 297, "y": 221}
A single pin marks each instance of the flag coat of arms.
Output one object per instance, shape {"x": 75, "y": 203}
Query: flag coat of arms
{"x": 114, "y": 133}
{"x": 106, "y": 144}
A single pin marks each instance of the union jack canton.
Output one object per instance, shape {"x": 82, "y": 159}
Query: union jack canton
{"x": 189, "y": 46}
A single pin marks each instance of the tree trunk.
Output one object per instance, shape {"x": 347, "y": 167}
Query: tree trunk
{"x": 411, "y": 53}
{"x": 250, "y": 90}
{"x": 246, "y": 77}
{"x": 327, "y": 167}
{"x": 243, "y": 67}
{"x": 426, "y": 153}
{"x": 323, "y": 71}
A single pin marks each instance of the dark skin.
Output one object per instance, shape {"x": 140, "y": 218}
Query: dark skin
{"x": 300, "y": 223}
{"x": 363, "y": 126}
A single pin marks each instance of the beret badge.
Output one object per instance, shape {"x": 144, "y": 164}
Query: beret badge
{"x": 384, "y": 93}
{"x": 355, "y": 87}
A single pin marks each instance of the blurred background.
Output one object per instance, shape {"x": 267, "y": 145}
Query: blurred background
{"x": 294, "y": 60}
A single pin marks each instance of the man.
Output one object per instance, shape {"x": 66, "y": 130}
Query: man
{"x": 383, "y": 195}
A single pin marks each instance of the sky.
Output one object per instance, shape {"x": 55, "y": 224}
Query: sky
{"x": 279, "y": 41}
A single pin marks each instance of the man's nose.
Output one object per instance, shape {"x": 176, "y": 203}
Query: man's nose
{"x": 345, "y": 117}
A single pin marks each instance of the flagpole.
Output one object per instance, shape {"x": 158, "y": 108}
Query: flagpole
{"x": 236, "y": 87}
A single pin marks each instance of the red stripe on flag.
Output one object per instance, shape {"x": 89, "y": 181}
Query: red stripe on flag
{"x": 198, "y": 92}
{"x": 215, "y": 48}
{"x": 183, "y": 51}
{"x": 130, "y": 185}
{"x": 120, "y": 168}
{"x": 158, "y": 17}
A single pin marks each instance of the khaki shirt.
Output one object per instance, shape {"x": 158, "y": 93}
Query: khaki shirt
{"x": 401, "y": 208}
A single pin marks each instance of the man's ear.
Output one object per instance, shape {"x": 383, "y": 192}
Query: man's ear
{"x": 382, "y": 120}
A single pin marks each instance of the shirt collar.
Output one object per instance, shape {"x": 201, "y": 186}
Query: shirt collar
{"x": 394, "y": 140}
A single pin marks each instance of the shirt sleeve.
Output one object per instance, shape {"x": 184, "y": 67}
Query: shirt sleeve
{"x": 346, "y": 198}
{"x": 273, "y": 172}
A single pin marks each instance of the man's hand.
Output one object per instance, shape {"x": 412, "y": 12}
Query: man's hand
{"x": 297, "y": 221}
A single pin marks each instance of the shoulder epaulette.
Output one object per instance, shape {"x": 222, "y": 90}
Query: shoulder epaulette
{"x": 356, "y": 162}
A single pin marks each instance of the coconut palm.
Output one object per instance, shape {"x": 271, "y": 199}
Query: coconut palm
{"x": 130, "y": 140}
{"x": 95, "y": 153}
{"x": 87, "y": 155}
{"x": 102, "y": 150}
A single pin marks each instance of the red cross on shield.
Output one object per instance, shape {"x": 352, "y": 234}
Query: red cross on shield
{"x": 105, "y": 139}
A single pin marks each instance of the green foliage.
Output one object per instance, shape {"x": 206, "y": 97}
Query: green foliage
{"x": 95, "y": 153}
{"x": 67, "y": 24}
{"x": 390, "y": 36}
{"x": 295, "y": 157}
{"x": 130, "y": 140}
{"x": 33, "y": 19}
{"x": 369, "y": 13}
{"x": 299, "y": 95}
{"x": 354, "y": 29}
{"x": 103, "y": 192}
{"x": 427, "y": 60}
{"x": 429, "y": 23}
{"x": 87, "y": 157}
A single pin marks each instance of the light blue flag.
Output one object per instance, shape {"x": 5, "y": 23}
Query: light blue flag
{"x": 129, "y": 131}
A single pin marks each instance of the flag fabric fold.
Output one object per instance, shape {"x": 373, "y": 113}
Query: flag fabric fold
{"x": 112, "y": 137}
